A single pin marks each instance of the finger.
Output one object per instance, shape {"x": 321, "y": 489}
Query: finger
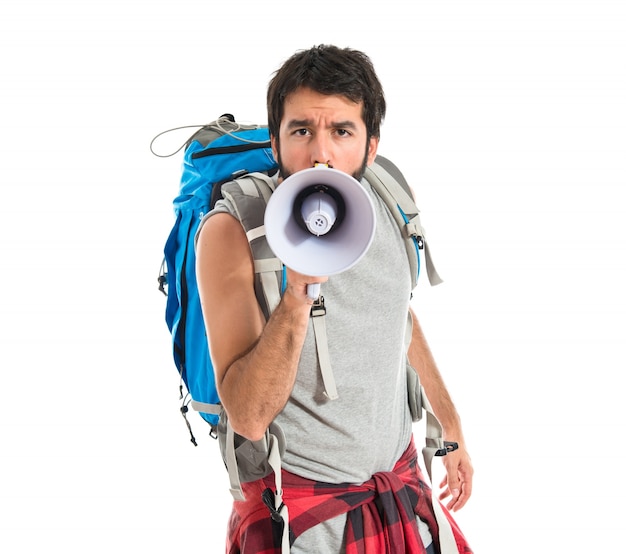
{"x": 461, "y": 501}
{"x": 456, "y": 504}
{"x": 466, "y": 492}
{"x": 456, "y": 496}
{"x": 454, "y": 485}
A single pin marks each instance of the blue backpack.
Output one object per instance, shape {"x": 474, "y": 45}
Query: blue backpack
{"x": 217, "y": 153}
{"x": 236, "y": 160}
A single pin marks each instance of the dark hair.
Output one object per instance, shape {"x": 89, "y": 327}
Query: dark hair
{"x": 328, "y": 70}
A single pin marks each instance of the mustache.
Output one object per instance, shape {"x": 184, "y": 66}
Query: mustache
{"x": 357, "y": 174}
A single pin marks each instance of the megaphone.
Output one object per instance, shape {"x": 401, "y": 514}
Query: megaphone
{"x": 320, "y": 221}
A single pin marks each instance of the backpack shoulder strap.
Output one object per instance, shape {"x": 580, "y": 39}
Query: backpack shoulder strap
{"x": 387, "y": 180}
{"x": 249, "y": 196}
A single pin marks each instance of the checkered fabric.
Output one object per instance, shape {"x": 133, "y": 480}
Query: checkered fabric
{"x": 380, "y": 512}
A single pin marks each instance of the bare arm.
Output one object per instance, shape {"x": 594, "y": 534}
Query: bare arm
{"x": 255, "y": 362}
{"x": 458, "y": 464}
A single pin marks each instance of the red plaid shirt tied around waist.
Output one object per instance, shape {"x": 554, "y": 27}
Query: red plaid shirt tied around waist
{"x": 380, "y": 512}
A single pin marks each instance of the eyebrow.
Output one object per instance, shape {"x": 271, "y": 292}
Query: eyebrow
{"x": 297, "y": 123}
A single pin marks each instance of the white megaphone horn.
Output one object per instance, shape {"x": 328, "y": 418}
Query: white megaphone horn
{"x": 320, "y": 221}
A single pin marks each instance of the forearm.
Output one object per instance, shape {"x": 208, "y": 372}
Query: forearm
{"x": 457, "y": 483}
{"x": 255, "y": 361}
{"x": 256, "y": 386}
{"x": 421, "y": 358}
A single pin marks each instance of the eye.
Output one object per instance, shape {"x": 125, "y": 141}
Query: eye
{"x": 301, "y": 132}
{"x": 343, "y": 132}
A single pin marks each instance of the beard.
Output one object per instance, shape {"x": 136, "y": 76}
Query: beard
{"x": 357, "y": 174}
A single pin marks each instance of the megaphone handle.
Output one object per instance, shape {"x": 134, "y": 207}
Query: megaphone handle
{"x": 313, "y": 291}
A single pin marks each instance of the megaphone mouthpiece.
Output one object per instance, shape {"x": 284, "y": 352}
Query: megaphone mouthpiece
{"x": 319, "y": 212}
{"x": 318, "y": 209}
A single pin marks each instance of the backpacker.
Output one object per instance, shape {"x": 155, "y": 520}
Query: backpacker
{"x": 225, "y": 157}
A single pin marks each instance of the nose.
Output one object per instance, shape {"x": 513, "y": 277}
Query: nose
{"x": 321, "y": 150}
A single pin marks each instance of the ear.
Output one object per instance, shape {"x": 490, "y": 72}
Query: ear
{"x": 373, "y": 148}
{"x": 274, "y": 144}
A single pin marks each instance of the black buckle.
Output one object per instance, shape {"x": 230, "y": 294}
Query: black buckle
{"x": 318, "y": 309}
{"x": 447, "y": 447}
{"x": 268, "y": 499}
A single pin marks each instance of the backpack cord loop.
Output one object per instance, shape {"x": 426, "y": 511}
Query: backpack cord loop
{"x": 169, "y": 131}
{"x": 217, "y": 123}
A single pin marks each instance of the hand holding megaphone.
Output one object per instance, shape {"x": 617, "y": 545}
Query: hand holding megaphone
{"x": 319, "y": 222}
{"x": 311, "y": 284}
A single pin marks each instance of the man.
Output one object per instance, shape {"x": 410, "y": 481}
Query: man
{"x": 325, "y": 106}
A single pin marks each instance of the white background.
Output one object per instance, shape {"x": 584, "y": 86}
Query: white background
{"x": 508, "y": 118}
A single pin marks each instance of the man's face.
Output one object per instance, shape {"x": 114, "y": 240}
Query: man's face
{"x": 322, "y": 129}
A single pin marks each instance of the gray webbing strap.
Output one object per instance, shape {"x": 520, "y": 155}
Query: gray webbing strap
{"x": 267, "y": 267}
{"x": 206, "y": 408}
{"x": 434, "y": 435}
{"x": 397, "y": 191}
{"x": 251, "y": 188}
{"x": 231, "y": 465}
{"x": 255, "y": 233}
{"x": 270, "y": 184}
{"x": 266, "y": 270}
{"x": 259, "y": 184}
{"x": 394, "y": 194}
{"x": 434, "y": 442}
{"x": 281, "y": 508}
{"x": 318, "y": 317}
